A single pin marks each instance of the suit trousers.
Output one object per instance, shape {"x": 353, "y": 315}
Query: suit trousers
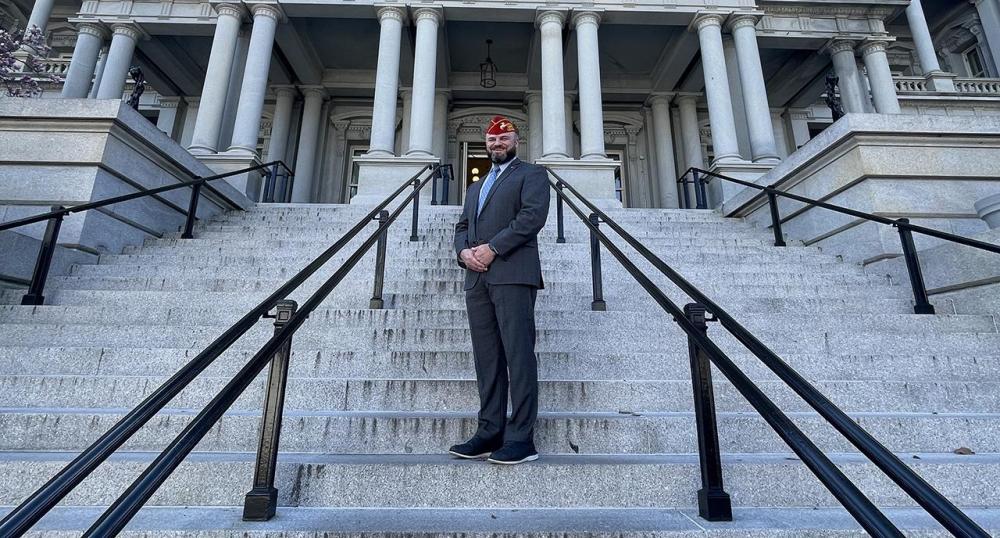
{"x": 502, "y": 322}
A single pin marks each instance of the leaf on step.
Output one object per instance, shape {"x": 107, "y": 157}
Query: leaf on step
{"x": 493, "y": 516}
{"x": 575, "y": 448}
{"x": 916, "y": 457}
{"x": 963, "y": 451}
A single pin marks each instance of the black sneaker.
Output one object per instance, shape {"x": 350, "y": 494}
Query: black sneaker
{"x": 474, "y": 448}
{"x": 514, "y": 453}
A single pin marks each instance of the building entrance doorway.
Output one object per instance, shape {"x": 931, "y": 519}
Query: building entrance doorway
{"x": 475, "y": 164}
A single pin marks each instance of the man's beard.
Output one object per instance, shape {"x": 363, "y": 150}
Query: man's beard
{"x": 507, "y": 156}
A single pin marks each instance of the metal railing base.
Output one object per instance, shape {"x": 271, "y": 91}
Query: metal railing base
{"x": 599, "y": 306}
{"x": 714, "y": 505}
{"x": 261, "y": 504}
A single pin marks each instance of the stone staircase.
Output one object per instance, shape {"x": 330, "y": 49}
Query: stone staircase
{"x": 376, "y": 396}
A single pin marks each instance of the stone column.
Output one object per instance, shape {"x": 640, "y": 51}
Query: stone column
{"x": 534, "y": 99}
{"x": 780, "y": 135}
{"x": 305, "y": 159}
{"x": 405, "y": 95}
{"x": 922, "y": 37}
{"x": 119, "y": 60}
{"x": 571, "y": 141}
{"x": 386, "y": 81}
{"x": 591, "y": 108}
{"x": 284, "y": 99}
{"x": 169, "y": 117}
{"x": 989, "y": 15}
{"x": 102, "y": 60}
{"x": 440, "y": 142}
{"x": 690, "y": 133}
{"x": 89, "y": 40}
{"x": 736, "y": 96}
{"x": 190, "y": 119}
{"x": 246, "y": 128}
{"x": 880, "y": 77}
{"x": 755, "y": 103}
{"x": 205, "y": 138}
{"x": 842, "y": 52}
{"x": 550, "y": 25}
{"x": 40, "y": 14}
{"x": 424, "y": 73}
{"x": 720, "y": 105}
{"x": 666, "y": 170}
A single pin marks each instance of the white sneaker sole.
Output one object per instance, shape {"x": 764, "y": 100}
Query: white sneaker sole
{"x": 532, "y": 457}
{"x": 468, "y": 457}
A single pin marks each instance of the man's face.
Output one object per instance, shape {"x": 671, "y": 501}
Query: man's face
{"x": 502, "y": 147}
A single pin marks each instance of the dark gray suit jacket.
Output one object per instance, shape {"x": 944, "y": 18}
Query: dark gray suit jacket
{"x": 513, "y": 213}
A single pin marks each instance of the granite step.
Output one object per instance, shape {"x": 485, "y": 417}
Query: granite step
{"x": 440, "y": 395}
{"x": 556, "y": 481}
{"x": 311, "y": 522}
{"x": 340, "y": 432}
{"x": 322, "y": 363}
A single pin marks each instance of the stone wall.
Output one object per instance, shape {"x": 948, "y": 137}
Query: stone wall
{"x": 931, "y": 170}
{"x": 69, "y": 152}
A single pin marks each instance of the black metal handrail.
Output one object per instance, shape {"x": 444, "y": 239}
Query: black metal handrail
{"x": 20, "y": 520}
{"x": 921, "y": 301}
{"x": 46, "y": 251}
{"x": 270, "y": 187}
{"x": 946, "y": 513}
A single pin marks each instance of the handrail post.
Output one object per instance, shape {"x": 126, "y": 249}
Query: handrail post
{"x": 272, "y": 184}
{"x": 699, "y": 191}
{"x": 434, "y": 186}
{"x": 684, "y": 190}
{"x": 261, "y": 501}
{"x": 713, "y": 501}
{"x": 446, "y": 182}
{"x": 598, "y": 303}
{"x": 46, "y": 251}
{"x": 416, "y": 211}
{"x": 921, "y": 304}
{"x": 772, "y": 202}
{"x": 560, "y": 230}
{"x": 192, "y": 210}
{"x": 376, "y": 301}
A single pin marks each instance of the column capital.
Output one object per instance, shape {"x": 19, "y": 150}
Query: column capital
{"x": 660, "y": 98}
{"x": 270, "y": 11}
{"x": 532, "y": 95}
{"x": 130, "y": 30}
{"x": 434, "y": 13}
{"x": 231, "y": 10}
{"x": 405, "y": 93}
{"x": 284, "y": 90}
{"x": 837, "y": 45}
{"x": 390, "y": 12}
{"x": 548, "y": 16}
{"x": 688, "y": 98}
{"x": 586, "y": 16}
{"x": 313, "y": 90}
{"x": 875, "y": 44}
{"x": 742, "y": 20}
{"x": 95, "y": 29}
{"x": 445, "y": 92}
{"x": 706, "y": 19}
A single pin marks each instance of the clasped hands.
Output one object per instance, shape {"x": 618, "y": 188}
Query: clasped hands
{"x": 477, "y": 258}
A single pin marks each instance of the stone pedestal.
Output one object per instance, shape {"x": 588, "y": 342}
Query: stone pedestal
{"x": 940, "y": 81}
{"x": 379, "y": 176}
{"x": 593, "y": 178}
{"x": 988, "y": 209}
{"x": 228, "y": 161}
{"x": 720, "y": 190}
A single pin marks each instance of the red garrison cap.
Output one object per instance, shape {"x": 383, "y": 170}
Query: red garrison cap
{"x": 500, "y": 125}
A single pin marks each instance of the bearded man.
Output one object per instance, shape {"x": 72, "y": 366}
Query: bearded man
{"x": 497, "y": 243}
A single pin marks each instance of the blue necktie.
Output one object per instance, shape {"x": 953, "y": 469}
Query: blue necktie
{"x": 487, "y": 185}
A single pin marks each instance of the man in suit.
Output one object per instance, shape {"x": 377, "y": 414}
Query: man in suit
{"x": 497, "y": 243}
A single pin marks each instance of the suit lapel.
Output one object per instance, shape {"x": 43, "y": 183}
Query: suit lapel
{"x": 493, "y": 190}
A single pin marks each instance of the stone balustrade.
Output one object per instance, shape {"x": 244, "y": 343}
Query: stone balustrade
{"x": 964, "y": 86}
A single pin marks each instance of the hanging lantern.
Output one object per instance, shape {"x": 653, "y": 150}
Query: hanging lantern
{"x": 488, "y": 69}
